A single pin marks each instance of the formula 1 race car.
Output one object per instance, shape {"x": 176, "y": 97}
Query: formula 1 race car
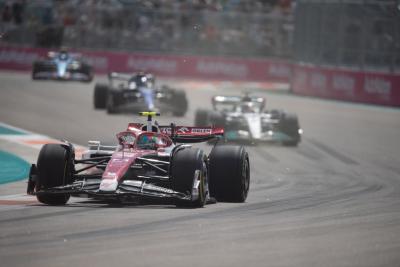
{"x": 137, "y": 91}
{"x": 156, "y": 166}
{"x": 62, "y": 66}
{"x": 245, "y": 120}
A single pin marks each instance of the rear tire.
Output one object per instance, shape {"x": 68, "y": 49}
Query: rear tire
{"x": 86, "y": 69}
{"x": 217, "y": 119}
{"x": 185, "y": 162}
{"x": 35, "y": 68}
{"x": 180, "y": 102}
{"x": 111, "y": 103}
{"x": 229, "y": 173}
{"x": 100, "y": 96}
{"x": 53, "y": 170}
{"x": 201, "y": 118}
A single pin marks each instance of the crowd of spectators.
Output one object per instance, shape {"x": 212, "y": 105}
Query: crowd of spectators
{"x": 228, "y": 27}
{"x": 11, "y": 15}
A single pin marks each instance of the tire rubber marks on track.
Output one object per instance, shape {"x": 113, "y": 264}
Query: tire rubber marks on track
{"x": 21, "y": 136}
{"x": 337, "y": 155}
{"x": 265, "y": 155}
{"x": 20, "y": 199}
{"x": 66, "y": 210}
{"x": 308, "y": 152}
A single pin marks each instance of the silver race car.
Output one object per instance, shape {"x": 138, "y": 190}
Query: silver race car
{"x": 245, "y": 120}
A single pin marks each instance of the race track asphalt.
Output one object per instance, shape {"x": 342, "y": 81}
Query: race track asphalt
{"x": 332, "y": 201}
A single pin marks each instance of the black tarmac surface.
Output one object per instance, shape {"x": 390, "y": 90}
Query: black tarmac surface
{"x": 332, "y": 201}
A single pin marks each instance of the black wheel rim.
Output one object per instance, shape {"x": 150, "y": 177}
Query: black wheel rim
{"x": 245, "y": 178}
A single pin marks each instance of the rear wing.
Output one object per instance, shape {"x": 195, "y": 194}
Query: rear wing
{"x": 120, "y": 76}
{"x": 219, "y": 100}
{"x": 74, "y": 55}
{"x": 125, "y": 76}
{"x": 185, "y": 134}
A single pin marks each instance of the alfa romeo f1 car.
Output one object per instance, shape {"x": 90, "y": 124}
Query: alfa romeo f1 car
{"x": 133, "y": 92}
{"x": 154, "y": 165}
{"x": 245, "y": 120}
{"x": 62, "y": 66}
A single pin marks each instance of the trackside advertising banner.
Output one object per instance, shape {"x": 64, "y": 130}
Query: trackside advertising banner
{"x": 356, "y": 86}
{"x": 219, "y": 68}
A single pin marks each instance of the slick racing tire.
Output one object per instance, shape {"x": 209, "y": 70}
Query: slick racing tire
{"x": 35, "y": 69}
{"x": 229, "y": 177}
{"x": 100, "y": 96}
{"x": 86, "y": 69}
{"x": 180, "y": 103}
{"x": 111, "y": 102}
{"x": 201, "y": 118}
{"x": 276, "y": 114}
{"x": 53, "y": 170}
{"x": 289, "y": 124}
{"x": 186, "y": 164}
{"x": 217, "y": 119}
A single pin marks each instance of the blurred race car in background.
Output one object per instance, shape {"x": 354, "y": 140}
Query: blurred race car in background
{"x": 138, "y": 91}
{"x": 245, "y": 120}
{"x": 155, "y": 165}
{"x": 62, "y": 65}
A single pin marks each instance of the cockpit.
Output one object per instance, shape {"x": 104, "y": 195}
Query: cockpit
{"x": 141, "y": 80}
{"x": 143, "y": 141}
{"x": 152, "y": 141}
{"x": 63, "y": 56}
{"x": 247, "y": 107}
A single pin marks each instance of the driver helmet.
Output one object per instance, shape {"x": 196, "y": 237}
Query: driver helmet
{"x": 147, "y": 142}
{"x": 248, "y": 107}
{"x": 143, "y": 80}
{"x": 63, "y": 55}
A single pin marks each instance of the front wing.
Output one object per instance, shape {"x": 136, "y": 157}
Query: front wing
{"x": 128, "y": 189}
{"x": 69, "y": 76}
{"x": 246, "y": 136}
{"x": 48, "y": 71}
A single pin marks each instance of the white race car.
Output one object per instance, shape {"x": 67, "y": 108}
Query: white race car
{"x": 245, "y": 120}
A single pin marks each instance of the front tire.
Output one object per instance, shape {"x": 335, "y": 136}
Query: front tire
{"x": 289, "y": 125}
{"x": 229, "y": 173}
{"x": 185, "y": 163}
{"x": 54, "y": 168}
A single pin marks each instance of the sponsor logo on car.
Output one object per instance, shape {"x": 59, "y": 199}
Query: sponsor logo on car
{"x": 201, "y": 130}
{"x": 183, "y": 130}
{"x": 187, "y": 130}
